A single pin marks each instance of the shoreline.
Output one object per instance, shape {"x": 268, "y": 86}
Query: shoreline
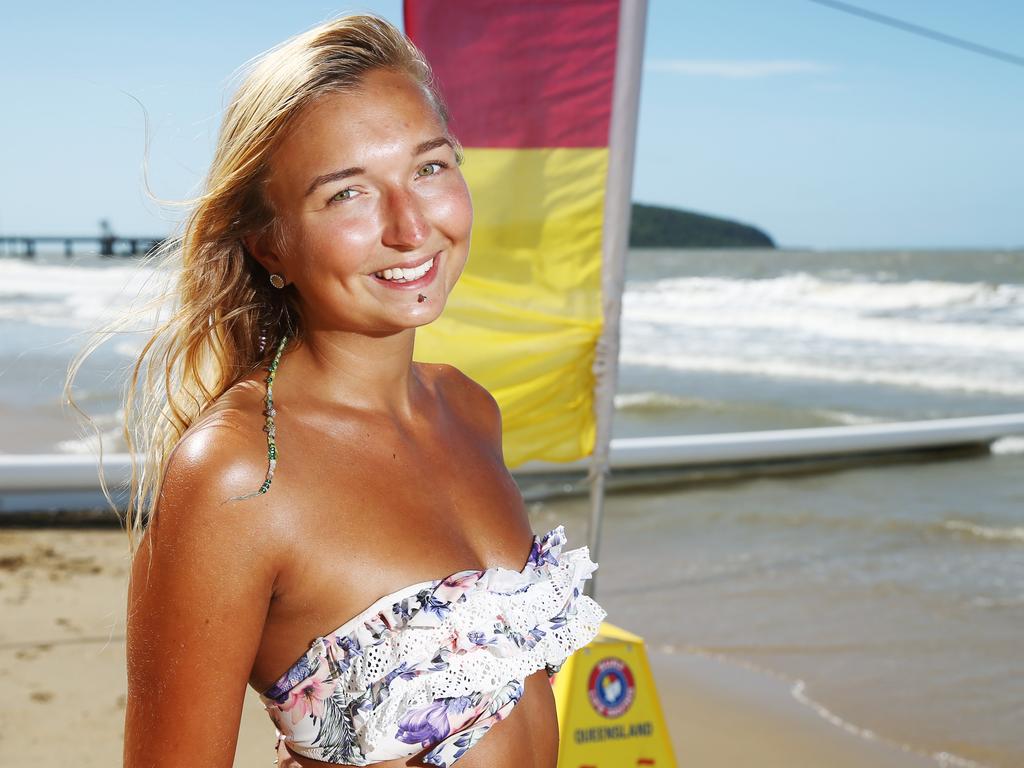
{"x": 62, "y": 653}
{"x": 724, "y": 712}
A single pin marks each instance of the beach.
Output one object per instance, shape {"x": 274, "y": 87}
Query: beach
{"x": 869, "y": 615}
{"x": 62, "y": 651}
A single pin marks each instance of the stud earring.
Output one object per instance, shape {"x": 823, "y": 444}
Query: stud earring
{"x": 276, "y": 280}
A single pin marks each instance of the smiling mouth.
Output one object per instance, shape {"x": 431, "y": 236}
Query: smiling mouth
{"x": 411, "y": 276}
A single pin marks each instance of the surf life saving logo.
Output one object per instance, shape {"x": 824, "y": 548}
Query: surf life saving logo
{"x": 611, "y": 688}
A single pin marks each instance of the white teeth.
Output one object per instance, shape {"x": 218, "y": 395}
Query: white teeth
{"x": 401, "y": 274}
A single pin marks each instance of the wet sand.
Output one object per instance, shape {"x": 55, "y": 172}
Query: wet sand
{"x": 62, "y": 670}
{"x": 722, "y": 714}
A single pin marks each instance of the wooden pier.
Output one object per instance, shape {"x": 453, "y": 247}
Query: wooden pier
{"x": 105, "y": 245}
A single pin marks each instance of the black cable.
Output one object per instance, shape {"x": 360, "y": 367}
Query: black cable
{"x": 984, "y": 50}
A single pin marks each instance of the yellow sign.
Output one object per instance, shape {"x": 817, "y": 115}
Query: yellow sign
{"x": 609, "y": 715}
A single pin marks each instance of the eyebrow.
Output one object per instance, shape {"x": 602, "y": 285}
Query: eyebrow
{"x": 419, "y": 149}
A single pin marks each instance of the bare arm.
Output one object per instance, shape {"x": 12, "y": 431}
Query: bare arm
{"x": 201, "y": 584}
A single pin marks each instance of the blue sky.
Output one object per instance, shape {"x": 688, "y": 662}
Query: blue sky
{"x": 824, "y": 129}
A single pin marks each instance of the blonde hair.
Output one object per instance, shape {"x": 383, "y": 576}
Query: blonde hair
{"x": 220, "y": 300}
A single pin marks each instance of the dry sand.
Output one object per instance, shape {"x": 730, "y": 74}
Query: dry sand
{"x": 62, "y": 671}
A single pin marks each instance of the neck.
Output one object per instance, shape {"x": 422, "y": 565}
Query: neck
{"x": 369, "y": 373}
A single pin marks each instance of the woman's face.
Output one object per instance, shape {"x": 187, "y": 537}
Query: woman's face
{"x": 365, "y": 182}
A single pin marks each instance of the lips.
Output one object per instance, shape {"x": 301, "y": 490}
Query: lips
{"x": 419, "y": 282}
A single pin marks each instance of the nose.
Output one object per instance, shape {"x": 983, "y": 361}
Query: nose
{"x": 405, "y": 225}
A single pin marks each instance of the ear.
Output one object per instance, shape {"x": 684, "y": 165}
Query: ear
{"x": 259, "y": 247}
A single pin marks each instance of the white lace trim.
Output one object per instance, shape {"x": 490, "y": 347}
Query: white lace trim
{"x": 488, "y": 633}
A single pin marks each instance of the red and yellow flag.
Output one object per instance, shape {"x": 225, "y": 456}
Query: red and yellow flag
{"x": 529, "y": 88}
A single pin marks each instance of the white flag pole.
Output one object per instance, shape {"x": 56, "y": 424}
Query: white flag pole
{"x": 615, "y": 242}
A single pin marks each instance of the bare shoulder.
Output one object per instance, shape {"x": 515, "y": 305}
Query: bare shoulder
{"x": 220, "y": 442}
{"x": 471, "y": 399}
{"x": 221, "y": 457}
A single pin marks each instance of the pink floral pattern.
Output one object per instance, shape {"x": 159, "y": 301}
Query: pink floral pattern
{"x": 437, "y": 664}
{"x": 307, "y": 698}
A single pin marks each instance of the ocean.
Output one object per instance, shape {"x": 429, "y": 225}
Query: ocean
{"x": 890, "y": 596}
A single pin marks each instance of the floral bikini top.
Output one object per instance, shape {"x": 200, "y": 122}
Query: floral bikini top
{"x": 436, "y": 664}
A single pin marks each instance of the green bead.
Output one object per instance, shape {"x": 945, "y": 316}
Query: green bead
{"x": 271, "y": 445}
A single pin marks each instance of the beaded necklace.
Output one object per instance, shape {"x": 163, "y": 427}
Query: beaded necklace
{"x": 269, "y": 427}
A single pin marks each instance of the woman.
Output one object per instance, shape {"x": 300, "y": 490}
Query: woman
{"x": 335, "y": 221}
